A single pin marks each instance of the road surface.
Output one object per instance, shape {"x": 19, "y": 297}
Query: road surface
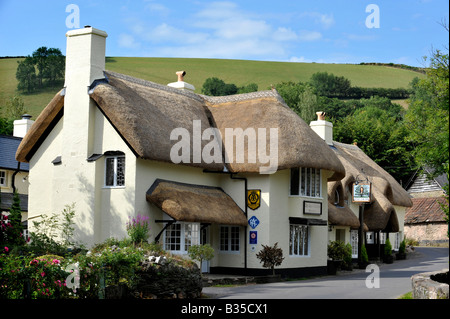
{"x": 394, "y": 281}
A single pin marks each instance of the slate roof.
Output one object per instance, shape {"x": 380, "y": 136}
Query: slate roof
{"x": 8, "y": 148}
{"x": 6, "y": 200}
{"x": 425, "y": 210}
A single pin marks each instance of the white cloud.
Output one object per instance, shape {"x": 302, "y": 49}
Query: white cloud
{"x": 310, "y": 35}
{"x": 220, "y": 30}
{"x": 127, "y": 41}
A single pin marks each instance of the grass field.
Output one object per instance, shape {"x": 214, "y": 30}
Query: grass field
{"x": 239, "y": 72}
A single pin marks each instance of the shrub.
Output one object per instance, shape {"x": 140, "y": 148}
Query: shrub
{"x": 364, "y": 256}
{"x": 201, "y": 252}
{"x": 336, "y": 250}
{"x": 270, "y": 257}
{"x": 138, "y": 228}
{"x": 387, "y": 248}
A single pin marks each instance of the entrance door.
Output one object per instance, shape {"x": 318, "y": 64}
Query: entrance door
{"x": 204, "y": 239}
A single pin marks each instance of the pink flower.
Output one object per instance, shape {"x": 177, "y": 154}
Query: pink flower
{"x": 6, "y": 249}
{"x": 55, "y": 261}
{"x": 42, "y": 274}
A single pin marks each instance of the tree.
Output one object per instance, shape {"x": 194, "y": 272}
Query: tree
{"x": 14, "y": 229}
{"x": 26, "y": 75}
{"x": 201, "y": 252}
{"x": 15, "y": 107}
{"x": 270, "y": 257}
{"x": 49, "y": 62}
{"x": 427, "y": 117}
{"x": 217, "y": 87}
{"x": 380, "y": 135}
{"x": 300, "y": 97}
{"x": 330, "y": 85}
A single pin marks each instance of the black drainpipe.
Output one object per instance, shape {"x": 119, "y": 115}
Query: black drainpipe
{"x": 13, "y": 182}
{"x": 245, "y": 210}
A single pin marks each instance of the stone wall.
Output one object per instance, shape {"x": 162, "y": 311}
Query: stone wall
{"x": 424, "y": 287}
{"x": 427, "y": 233}
{"x": 169, "y": 280}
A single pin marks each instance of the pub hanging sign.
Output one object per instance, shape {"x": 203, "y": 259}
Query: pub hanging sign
{"x": 253, "y": 198}
{"x": 361, "y": 192}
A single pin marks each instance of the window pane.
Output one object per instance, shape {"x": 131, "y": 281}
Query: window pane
{"x": 234, "y": 238}
{"x": 303, "y": 182}
{"x": 223, "y": 238}
{"x": 173, "y": 237}
{"x": 295, "y": 180}
{"x": 308, "y": 182}
{"x": 120, "y": 171}
{"x": 317, "y": 182}
{"x": 109, "y": 178}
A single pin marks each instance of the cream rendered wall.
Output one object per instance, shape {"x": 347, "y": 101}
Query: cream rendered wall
{"x": 44, "y": 176}
{"x": 147, "y": 171}
{"x": 285, "y": 206}
{"x": 21, "y": 182}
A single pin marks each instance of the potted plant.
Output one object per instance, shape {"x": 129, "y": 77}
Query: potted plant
{"x": 347, "y": 261}
{"x": 364, "y": 258}
{"x": 336, "y": 253}
{"x": 271, "y": 257}
{"x": 388, "y": 258}
{"x": 401, "y": 251}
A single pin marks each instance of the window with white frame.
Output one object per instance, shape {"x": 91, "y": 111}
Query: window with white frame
{"x": 3, "y": 178}
{"x": 178, "y": 237}
{"x": 115, "y": 171}
{"x": 306, "y": 182}
{"x": 229, "y": 239}
{"x": 298, "y": 240}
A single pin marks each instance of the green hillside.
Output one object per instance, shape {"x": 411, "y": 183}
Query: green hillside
{"x": 239, "y": 72}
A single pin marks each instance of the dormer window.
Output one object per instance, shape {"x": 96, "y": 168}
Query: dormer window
{"x": 114, "y": 169}
{"x": 305, "y": 182}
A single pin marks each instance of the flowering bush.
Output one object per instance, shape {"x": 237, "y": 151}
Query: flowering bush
{"x": 29, "y": 277}
{"x": 138, "y": 228}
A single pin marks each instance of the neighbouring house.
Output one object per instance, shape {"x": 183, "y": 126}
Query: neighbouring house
{"x": 425, "y": 220}
{"x": 14, "y": 174}
{"x": 382, "y": 217}
{"x": 236, "y": 172}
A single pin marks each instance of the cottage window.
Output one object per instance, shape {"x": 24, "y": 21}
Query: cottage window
{"x": 115, "y": 171}
{"x": 3, "y": 178}
{"x": 298, "y": 240}
{"x": 179, "y": 237}
{"x": 305, "y": 182}
{"x": 229, "y": 238}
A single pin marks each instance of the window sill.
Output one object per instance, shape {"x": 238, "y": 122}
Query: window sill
{"x": 113, "y": 187}
{"x": 307, "y": 197}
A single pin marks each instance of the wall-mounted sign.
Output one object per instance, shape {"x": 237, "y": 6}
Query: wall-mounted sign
{"x": 253, "y": 198}
{"x": 312, "y": 208}
{"x": 253, "y": 237}
{"x": 361, "y": 192}
{"x": 253, "y": 222}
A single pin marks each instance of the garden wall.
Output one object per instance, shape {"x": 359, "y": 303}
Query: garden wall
{"x": 430, "y": 285}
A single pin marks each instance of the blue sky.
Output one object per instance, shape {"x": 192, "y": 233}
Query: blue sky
{"x": 322, "y": 31}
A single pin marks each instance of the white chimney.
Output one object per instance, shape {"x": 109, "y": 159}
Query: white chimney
{"x": 180, "y": 84}
{"x": 323, "y": 128}
{"x": 85, "y": 62}
{"x": 22, "y": 126}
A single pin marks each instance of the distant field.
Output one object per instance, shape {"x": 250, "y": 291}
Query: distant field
{"x": 239, "y": 72}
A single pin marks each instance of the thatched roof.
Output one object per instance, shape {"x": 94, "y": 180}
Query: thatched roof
{"x": 386, "y": 191}
{"x": 195, "y": 203}
{"x": 340, "y": 214}
{"x": 145, "y": 113}
{"x": 41, "y": 128}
